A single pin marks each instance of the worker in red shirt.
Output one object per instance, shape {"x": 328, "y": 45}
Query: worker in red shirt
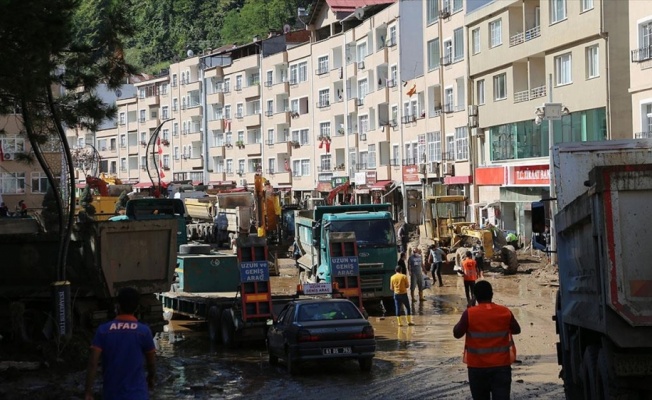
{"x": 489, "y": 349}
{"x": 471, "y": 273}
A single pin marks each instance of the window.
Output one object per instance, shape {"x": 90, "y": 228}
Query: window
{"x": 563, "y": 69}
{"x": 142, "y": 116}
{"x": 270, "y": 107}
{"x": 450, "y": 147}
{"x": 39, "y": 182}
{"x": 229, "y": 166}
{"x": 12, "y": 183}
{"x": 644, "y": 43}
{"x": 227, "y": 113}
{"x": 166, "y": 161}
{"x": 371, "y": 157}
{"x": 324, "y": 98}
{"x": 271, "y": 165}
{"x": 300, "y": 167}
{"x": 432, "y": 11}
{"x": 392, "y": 36}
{"x": 325, "y": 162}
{"x": 448, "y": 52}
{"x": 241, "y": 166}
{"x": 461, "y": 144}
{"x": 239, "y": 110}
{"x": 325, "y": 129}
{"x": 362, "y": 51}
{"x": 457, "y": 5}
{"x": 175, "y": 104}
{"x": 122, "y": 118}
{"x": 448, "y": 99}
{"x": 647, "y": 120}
{"x": 461, "y": 94}
{"x": 587, "y": 5}
{"x": 270, "y": 136}
{"x": 421, "y": 149}
{"x": 592, "y": 62}
{"x": 479, "y": 93}
{"x": 270, "y": 78}
{"x": 458, "y": 42}
{"x": 475, "y": 39}
{"x": 433, "y": 54}
{"x": 396, "y": 156}
{"x": 500, "y": 87}
{"x": 495, "y": 33}
{"x": 303, "y": 71}
{"x": 322, "y": 63}
{"x": 238, "y": 83}
{"x": 363, "y": 123}
{"x": 164, "y": 112}
{"x": 557, "y": 10}
{"x": 434, "y": 153}
{"x": 363, "y": 88}
{"x": 227, "y": 85}
{"x": 241, "y": 137}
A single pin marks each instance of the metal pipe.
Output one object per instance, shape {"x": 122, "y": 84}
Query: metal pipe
{"x": 553, "y": 204}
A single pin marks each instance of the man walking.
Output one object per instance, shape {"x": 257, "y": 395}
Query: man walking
{"x": 399, "y": 284}
{"x": 489, "y": 349}
{"x": 417, "y": 270}
{"x": 471, "y": 273}
{"x": 123, "y": 345}
{"x": 436, "y": 260}
{"x": 403, "y": 238}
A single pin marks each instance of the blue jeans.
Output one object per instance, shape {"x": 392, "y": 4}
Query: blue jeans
{"x": 401, "y": 299}
{"x": 490, "y": 383}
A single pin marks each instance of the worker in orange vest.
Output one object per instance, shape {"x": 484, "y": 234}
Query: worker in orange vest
{"x": 471, "y": 274}
{"x": 489, "y": 349}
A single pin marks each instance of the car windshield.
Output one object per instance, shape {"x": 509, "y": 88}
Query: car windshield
{"x": 328, "y": 311}
{"x": 369, "y": 232}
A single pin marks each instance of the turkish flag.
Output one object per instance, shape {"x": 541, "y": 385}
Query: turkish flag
{"x": 287, "y": 165}
{"x": 162, "y": 174}
{"x": 328, "y": 147}
{"x": 321, "y": 144}
{"x": 412, "y": 91}
{"x": 158, "y": 141}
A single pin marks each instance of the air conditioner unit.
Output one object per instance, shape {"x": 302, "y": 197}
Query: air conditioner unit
{"x": 8, "y": 156}
{"x": 473, "y": 110}
{"x": 445, "y": 13}
{"x": 363, "y": 137}
{"x": 448, "y": 168}
{"x": 473, "y": 121}
{"x": 433, "y": 167}
{"x": 360, "y": 64}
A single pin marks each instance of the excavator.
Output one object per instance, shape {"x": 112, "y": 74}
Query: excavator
{"x": 339, "y": 189}
{"x": 101, "y": 197}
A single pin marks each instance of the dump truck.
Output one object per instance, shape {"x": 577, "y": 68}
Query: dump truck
{"x": 218, "y": 218}
{"x": 603, "y": 310}
{"x": 103, "y": 257}
{"x": 375, "y": 237}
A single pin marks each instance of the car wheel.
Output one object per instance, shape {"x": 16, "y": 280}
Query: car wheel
{"x": 214, "y": 327}
{"x": 293, "y": 365}
{"x": 365, "y": 364}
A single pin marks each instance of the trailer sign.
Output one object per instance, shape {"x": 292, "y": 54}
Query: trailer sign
{"x": 254, "y": 271}
{"x": 317, "y": 288}
{"x": 345, "y": 266}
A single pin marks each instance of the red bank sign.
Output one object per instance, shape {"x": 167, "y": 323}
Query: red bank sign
{"x": 531, "y": 175}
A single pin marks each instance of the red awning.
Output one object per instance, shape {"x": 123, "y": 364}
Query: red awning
{"x": 380, "y": 185}
{"x": 143, "y": 185}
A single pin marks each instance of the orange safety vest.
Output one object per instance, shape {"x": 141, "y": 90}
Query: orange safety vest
{"x": 469, "y": 267}
{"x": 489, "y": 341}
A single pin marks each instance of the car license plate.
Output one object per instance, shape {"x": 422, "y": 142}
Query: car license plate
{"x": 337, "y": 350}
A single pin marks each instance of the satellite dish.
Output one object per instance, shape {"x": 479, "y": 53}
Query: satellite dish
{"x": 190, "y": 53}
{"x": 286, "y": 28}
{"x": 118, "y": 93}
{"x": 359, "y": 13}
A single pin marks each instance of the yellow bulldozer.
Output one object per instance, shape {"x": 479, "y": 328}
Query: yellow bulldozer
{"x": 445, "y": 223}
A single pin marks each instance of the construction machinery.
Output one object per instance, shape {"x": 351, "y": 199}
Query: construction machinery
{"x": 104, "y": 256}
{"x": 101, "y": 197}
{"x": 445, "y": 223}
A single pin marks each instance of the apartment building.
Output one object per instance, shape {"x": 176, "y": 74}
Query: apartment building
{"x": 520, "y": 51}
{"x": 640, "y": 67}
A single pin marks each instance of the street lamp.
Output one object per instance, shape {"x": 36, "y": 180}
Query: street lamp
{"x": 551, "y": 112}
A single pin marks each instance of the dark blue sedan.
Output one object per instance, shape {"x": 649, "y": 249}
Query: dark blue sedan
{"x": 323, "y": 329}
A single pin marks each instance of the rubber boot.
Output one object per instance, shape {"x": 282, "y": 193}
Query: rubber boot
{"x": 399, "y": 321}
{"x": 410, "y": 320}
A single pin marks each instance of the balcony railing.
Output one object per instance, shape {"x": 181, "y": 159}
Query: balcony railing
{"x": 523, "y": 37}
{"x": 269, "y": 113}
{"x": 410, "y": 161}
{"x": 408, "y": 119}
{"x": 537, "y": 92}
{"x": 395, "y": 162}
{"x": 321, "y": 70}
{"x": 323, "y": 103}
{"x": 324, "y": 168}
{"x": 268, "y": 83}
{"x": 521, "y": 96}
{"x": 642, "y": 135}
{"x": 270, "y": 171}
{"x": 642, "y": 54}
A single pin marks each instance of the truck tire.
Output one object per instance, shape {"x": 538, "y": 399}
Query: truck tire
{"x": 227, "y": 323}
{"x": 608, "y": 386}
{"x": 589, "y": 373}
{"x": 214, "y": 326}
{"x": 195, "y": 249}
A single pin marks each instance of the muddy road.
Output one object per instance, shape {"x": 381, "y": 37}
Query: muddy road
{"x": 423, "y": 361}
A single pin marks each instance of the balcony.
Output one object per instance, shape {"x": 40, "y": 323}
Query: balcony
{"x": 252, "y": 119}
{"x": 252, "y": 90}
{"x": 324, "y": 168}
{"x": 408, "y": 119}
{"x": 642, "y": 135}
{"x": 531, "y": 94}
{"x": 321, "y": 70}
{"x": 642, "y": 54}
{"x": 523, "y": 37}
{"x": 391, "y": 41}
{"x": 323, "y": 103}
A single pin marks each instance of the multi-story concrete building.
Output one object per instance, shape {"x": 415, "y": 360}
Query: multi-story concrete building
{"x": 640, "y": 68}
{"x": 520, "y": 51}
{"x": 403, "y": 98}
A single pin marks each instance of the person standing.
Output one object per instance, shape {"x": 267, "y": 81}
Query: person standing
{"x": 403, "y": 238}
{"x": 471, "y": 274}
{"x": 399, "y": 284}
{"x": 489, "y": 349}
{"x": 123, "y": 345}
{"x": 416, "y": 268}
{"x": 21, "y": 208}
{"x": 402, "y": 262}
{"x": 4, "y": 210}
{"x": 436, "y": 261}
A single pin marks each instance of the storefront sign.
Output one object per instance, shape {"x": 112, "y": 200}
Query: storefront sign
{"x": 531, "y": 175}
{"x": 339, "y": 180}
{"x": 411, "y": 174}
{"x": 360, "y": 179}
{"x": 490, "y": 176}
{"x": 370, "y": 177}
